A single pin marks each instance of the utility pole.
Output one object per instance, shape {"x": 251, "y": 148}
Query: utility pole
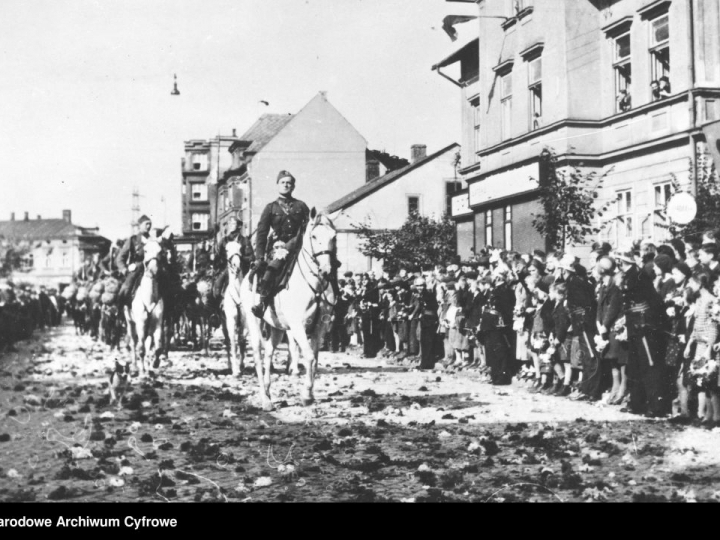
{"x": 135, "y": 209}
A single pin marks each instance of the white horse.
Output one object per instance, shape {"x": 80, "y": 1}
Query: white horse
{"x": 303, "y": 309}
{"x": 234, "y": 318}
{"x": 145, "y": 316}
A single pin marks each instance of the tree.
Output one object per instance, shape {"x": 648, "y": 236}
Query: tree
{"x": 420, "y": 242}
{"x": 12, "y": 253}
{"x": 568, "y": 196}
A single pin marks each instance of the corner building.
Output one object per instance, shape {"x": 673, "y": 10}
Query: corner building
{"x": 621, "y": 87}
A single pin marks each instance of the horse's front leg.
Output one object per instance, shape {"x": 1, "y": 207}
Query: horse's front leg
{"x": 294, "y": 360}
{"x": 298, "y": 335}
{"x": 230, "y": 328}
{"x": 159, "y": 339}
{"x": 131, "y": 338}
{"x": 140, "y": 328}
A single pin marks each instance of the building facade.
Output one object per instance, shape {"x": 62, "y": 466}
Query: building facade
{"x": 424, "y": 186}
{"x": 621, "y": 88}
{"x": 204, "y": 163}
{"x": 322, "y": 150}
{"x": 55, "y": 249}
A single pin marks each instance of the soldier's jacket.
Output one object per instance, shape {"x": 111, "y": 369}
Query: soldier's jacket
{"x": 133, "y": 251}
{"x": 246, "y": 251}
{"x": 286, "y": 218}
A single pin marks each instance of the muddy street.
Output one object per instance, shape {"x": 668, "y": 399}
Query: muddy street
{"x": 376, "y": 433}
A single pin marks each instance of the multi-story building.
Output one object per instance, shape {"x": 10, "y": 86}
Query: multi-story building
{"x": 321, "y": 149}
{"x": 204, "y": 163}
{"x": 55, "y": 249}
{"x": 619, "y": 87}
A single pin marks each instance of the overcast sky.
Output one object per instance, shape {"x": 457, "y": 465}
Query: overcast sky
{"x": 86, "y": 111}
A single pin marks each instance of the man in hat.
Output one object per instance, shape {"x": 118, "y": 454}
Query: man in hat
{"x": 286, "y": 217}
{"x": 644, "y": 313}
{"x": 580, "y": 304}
{"x": 246, "y": 255}
{"x": 130, "y": 259}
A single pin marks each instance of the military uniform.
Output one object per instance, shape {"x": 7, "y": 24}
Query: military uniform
{"x": 647, "y": 341}
{"x": 286, "y": 217}
{"x": 132, "y": 252}
{"x": 246, "y": 258}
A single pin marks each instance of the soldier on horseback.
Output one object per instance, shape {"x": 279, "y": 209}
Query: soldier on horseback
{"x": 247, "y": 255}
{"x": 130, "y": 259}
{"x": 107, "y": 264}
{"x": 287, "y": 217}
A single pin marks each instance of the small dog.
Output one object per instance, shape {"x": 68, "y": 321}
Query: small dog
{"x": 118, "y": 379}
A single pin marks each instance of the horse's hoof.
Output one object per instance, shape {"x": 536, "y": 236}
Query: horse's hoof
{"x": 268, "y": 407}
{"x": 307, "y": 402}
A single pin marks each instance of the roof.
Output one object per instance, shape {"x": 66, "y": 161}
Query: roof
{"x": 35, "y": 229}
{"x": 264, "y": 129}
{"x": 374, "y": 185}
{"x": 390, "y": 162}
{"x": 473, "y": 47}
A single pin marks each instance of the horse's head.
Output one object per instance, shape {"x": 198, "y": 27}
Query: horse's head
{"x": 153, "y": 252}
{"x": 320, "y": 241}
{"x": 233, "y": 251}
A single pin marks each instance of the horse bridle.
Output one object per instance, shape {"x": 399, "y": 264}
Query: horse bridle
{"x": 314, "y": 256}
{"x": 236, "y": 269}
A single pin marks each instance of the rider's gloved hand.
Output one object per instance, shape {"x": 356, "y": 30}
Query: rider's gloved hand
{"x": 132, "y": 267}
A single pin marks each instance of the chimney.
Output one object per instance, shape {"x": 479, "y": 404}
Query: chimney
{"x": 12, "y": 216}
{"x": 234, "y": 133}
{"x": 39, "y": 217}
{"x": 67, "y": 216}
{"x": 27, "y": 216}
{"x": 417, "y": 152}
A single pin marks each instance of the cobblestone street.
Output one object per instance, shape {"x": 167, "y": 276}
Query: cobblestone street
{"x": 377, "y": 432}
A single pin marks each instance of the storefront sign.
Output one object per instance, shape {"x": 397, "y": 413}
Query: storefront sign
{"x": 461, "y": 205}
{"x": 505, "y": 184}
{"x": 682, "y": 208}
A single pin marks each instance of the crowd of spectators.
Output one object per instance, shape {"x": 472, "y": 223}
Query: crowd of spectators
{"x": 23, "y": 309}
{"x": 637, "y": 328}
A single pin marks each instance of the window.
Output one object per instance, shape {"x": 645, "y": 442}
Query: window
{"x": 660, "y": 57}
{"x": 200, "y": 222}
{"x": 65, "y": 258}
{"x": 48, "y": 259}
{"x": 623, "y": 72}
{"x": 508, "y": 228}
{"x": 27, "y": 262}
{"x": 450, "y": 189}
{"x": 413, "y": 205}
{"x": 199, "y": 192}
{"x": 625, "y": 217}
{"x": 477, "y": 146}
{"x": 535, "y": 85}
{"x": 488, "y": 228}
{"x": 506, "y": 104}
{"x": 709, "y": 111}
{"x": 200, "y": 162}
{"x": 661, "y": 196}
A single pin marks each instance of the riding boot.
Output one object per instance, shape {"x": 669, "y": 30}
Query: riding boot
{"x": 264, "y": 292}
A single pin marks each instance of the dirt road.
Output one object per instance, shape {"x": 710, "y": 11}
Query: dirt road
{"x": 377, "y": 433}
